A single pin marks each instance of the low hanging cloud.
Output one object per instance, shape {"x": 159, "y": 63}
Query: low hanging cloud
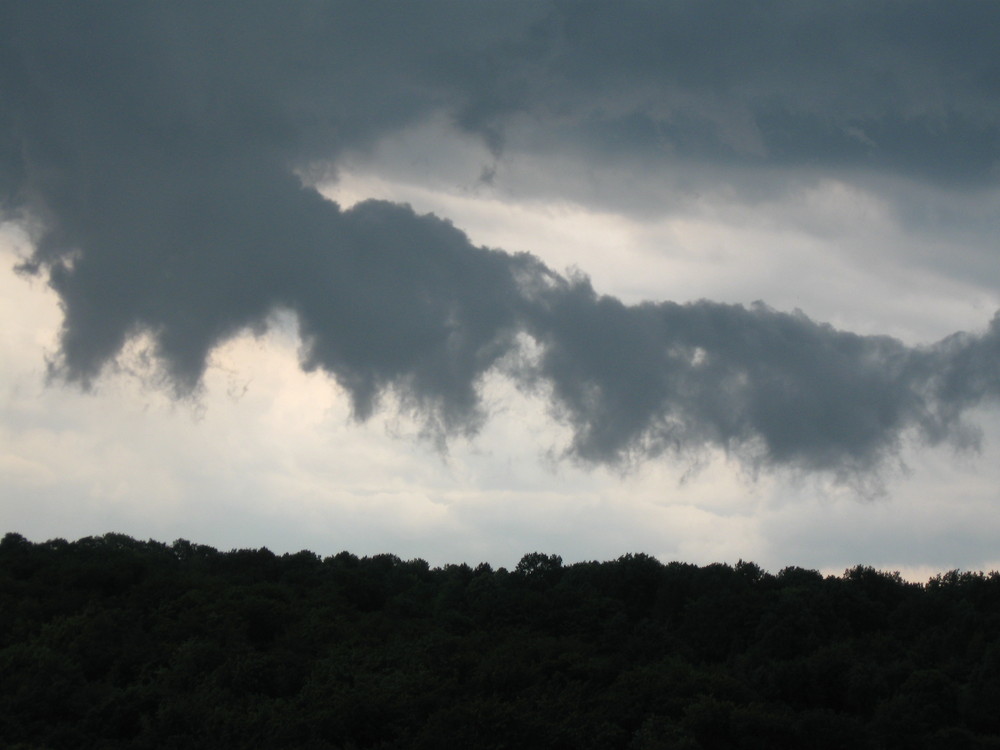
{"x": 156, "y": 151}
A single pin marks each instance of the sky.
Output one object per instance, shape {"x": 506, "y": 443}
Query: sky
{"x": 467, "y": 280}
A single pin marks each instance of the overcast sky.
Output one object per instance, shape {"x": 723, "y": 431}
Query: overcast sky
{"x": 464, "y": 280}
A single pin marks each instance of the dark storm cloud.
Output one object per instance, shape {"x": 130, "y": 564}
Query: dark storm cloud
{"x": 156, "y": 148}
{"x": 769, "y": 387}
{"x": 910, "y": 88}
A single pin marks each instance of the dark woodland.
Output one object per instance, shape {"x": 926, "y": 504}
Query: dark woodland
{"x": 110, "y": 642}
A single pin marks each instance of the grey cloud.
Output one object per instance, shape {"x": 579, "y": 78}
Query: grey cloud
{"x": 908, "y": 89}
{"x": 158, "y": 146}
{"x": 405, "y": 302}
{"x": 902, "y": 89}
{"x": 771, "y": 388}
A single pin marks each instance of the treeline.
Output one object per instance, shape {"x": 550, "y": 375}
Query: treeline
{"x": 109, "y": 642}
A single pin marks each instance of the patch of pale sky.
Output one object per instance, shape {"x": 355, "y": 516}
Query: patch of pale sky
{"x": 835, "y": 250}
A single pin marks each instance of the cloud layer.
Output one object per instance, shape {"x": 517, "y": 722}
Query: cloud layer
{"x": 166, "y": 158}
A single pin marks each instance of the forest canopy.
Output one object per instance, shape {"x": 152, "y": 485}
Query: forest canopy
{"x": 113, "y": 642}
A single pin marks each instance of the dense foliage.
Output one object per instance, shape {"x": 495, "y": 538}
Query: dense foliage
{"x": 112, "y": 643}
